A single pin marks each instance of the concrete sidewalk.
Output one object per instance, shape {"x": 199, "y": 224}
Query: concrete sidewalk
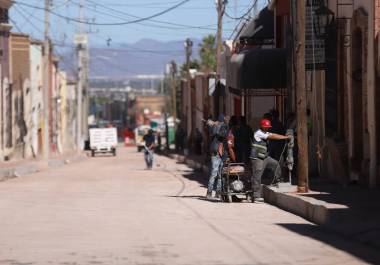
{"x": 352, "y": 212}
{"x": 9, "y": 170}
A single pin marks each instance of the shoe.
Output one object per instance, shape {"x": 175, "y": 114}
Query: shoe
{"x": 209, "y": 195}
{"x": 217, "y": 195}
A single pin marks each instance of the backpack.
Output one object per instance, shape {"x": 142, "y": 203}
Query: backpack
{"x": 219, "y": 131}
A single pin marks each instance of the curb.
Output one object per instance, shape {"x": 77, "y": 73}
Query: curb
{"x": 315, "y": 211}
{"x": 37, "y": 166}
{"x": 311, "y": 209}
{"x": 327, "y": 215}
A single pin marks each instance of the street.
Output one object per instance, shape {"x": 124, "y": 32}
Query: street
{"x": 109, "y": 210}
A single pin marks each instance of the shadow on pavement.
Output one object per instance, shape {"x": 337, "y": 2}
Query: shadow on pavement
{"x": 361, "y": 251}
{"x": 198, "y": 176}
{"x": 195, "y": 197}
{"x": 360, "y": 219}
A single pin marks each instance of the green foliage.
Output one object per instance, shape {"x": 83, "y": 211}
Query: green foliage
{"x": 194, "y": 64}
{"x": 207, "y": 53}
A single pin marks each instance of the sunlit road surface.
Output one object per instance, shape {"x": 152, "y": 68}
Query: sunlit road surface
{"x": 109, "y": 210}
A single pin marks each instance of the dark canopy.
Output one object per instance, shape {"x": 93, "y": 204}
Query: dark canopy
{"x": 259, "y": 30}
{"x": 259, "y": 68}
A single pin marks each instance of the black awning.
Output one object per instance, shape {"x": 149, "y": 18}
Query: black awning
{"x": 259, "y": 30}
{"x": 259, "y": 69}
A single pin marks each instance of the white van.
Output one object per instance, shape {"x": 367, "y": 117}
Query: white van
{"x": 103, "y": 140}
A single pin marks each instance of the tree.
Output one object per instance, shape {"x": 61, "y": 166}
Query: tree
{"x": 194, "y": 64}
{"x": 207, "y": 52}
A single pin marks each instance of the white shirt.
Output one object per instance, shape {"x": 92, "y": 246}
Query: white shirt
{"x": 261, "y": 135}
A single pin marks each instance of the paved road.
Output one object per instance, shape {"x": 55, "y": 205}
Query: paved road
{"x": 109, "y": 210}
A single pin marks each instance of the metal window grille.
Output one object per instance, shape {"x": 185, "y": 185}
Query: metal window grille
{"x": 4, "y": 15}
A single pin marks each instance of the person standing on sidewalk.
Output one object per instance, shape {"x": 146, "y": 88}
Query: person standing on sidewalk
{"x": 149, "y": 140}
{"x": 260, "y": 158}
{"x": 218, "y": 131}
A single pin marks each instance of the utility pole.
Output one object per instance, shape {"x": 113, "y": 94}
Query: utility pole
{"x": 81, "y": 42}
{"x": 173, "y": 70}
{"x": 221, "y": 7}
{"x": 46, "y": 82}
{"x": 303, "y": 154}
{"x": 189, "y": 51}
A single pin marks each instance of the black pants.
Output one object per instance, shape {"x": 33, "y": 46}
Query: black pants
{"x": 258, "y": 168}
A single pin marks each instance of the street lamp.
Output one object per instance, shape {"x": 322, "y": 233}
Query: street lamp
{"x": 323, "y": 20}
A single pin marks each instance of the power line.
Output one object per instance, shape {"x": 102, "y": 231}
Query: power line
{"x": 28, "y": 20}
{"x": 15, "y": 24}
{"x": 21, "y": 11}
{"x": 244, "y": 15}
{"x": 206, "y": 27}
{"x": 107, "y": 24}
{"x": 239, "y": 23}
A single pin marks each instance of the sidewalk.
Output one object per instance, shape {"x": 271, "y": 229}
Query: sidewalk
{"x": 352, "y": 212}
{"x": 13, "y": 169}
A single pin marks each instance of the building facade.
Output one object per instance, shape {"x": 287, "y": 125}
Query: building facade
{"x": 342, "y": 81}
{"x": 36, "y": 86}
{"x": 20, "y": 94}
{"x": 5, "y": 84}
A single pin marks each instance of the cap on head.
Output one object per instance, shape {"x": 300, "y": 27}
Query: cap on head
{"x": 265, "y": 123}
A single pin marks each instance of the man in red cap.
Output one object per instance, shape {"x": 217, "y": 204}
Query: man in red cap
{"x": 260, "y": 158}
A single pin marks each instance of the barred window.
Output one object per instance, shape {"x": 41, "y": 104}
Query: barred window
{"x": 4, "y": 15}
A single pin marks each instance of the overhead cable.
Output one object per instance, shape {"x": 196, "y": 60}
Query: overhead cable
{"x": 107, "y": 24}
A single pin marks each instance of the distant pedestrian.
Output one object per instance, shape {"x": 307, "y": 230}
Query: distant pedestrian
{"x": 218, "y": 132}
{"x": 180, "y": 137}
{"x": 149, "y": 140}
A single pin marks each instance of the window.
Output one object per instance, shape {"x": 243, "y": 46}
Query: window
{"x": 4, "y": 18}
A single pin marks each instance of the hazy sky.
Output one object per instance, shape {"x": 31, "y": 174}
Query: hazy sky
{"x": 170, "y": 26}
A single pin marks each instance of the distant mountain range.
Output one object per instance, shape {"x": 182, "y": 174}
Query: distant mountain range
{"x": 145, "y": 57}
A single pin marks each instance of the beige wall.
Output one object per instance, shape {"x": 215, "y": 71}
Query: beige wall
{"x": 359, "y": 16}
{"x": 20, "y": 76}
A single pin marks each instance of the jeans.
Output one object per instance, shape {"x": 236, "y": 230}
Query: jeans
{"x": 216, "y": 164}
{"x": 148, "y": 159}
{"x": 258, "y": 168}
